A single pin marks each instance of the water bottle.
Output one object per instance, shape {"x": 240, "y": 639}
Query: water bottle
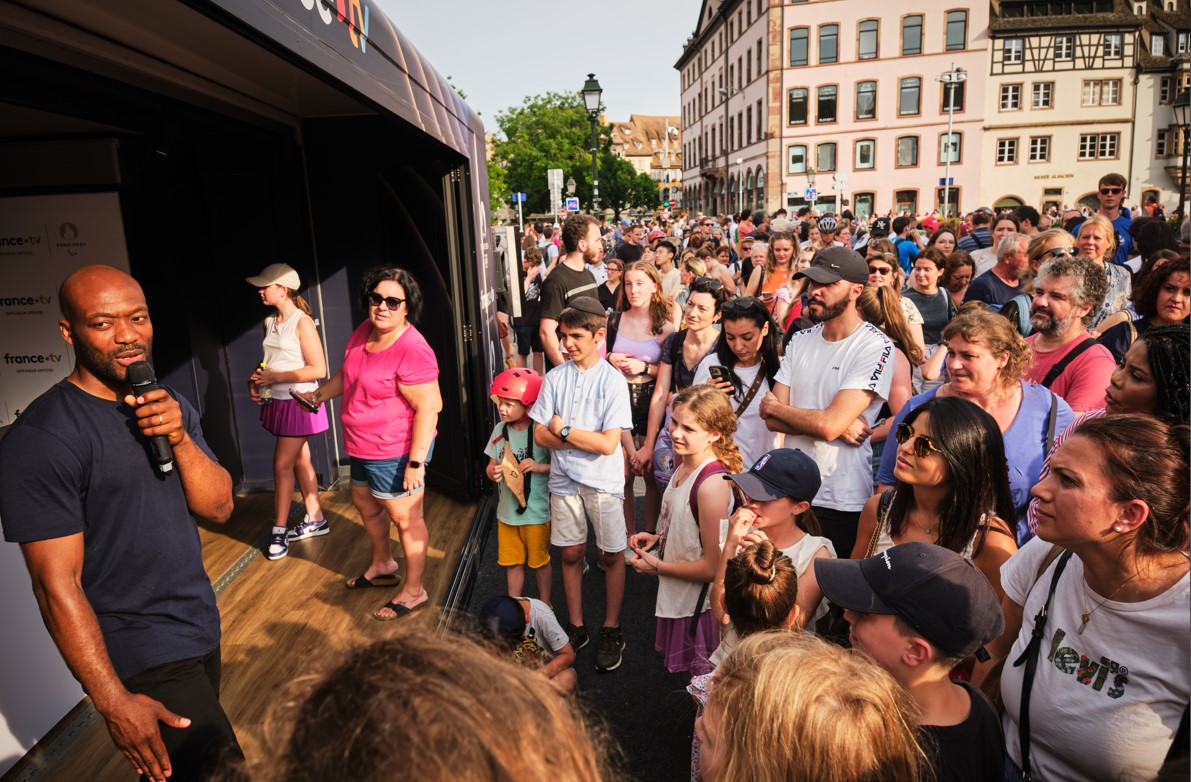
{"x": 266, "y": 392}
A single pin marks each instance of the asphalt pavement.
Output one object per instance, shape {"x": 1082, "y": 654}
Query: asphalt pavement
{"x": 646, "y": 709}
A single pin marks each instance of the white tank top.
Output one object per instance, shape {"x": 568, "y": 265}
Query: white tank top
{"x": 283, "y": 352}
{"x": 677, "y": 598}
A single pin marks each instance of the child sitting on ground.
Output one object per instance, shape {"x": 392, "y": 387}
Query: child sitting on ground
{"x": 523, "y": 507}
{"x": 918, "y": 609}
{"x": 533, "y": 636}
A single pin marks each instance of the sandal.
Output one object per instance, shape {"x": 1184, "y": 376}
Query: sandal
{"x": 383, "y": 581}
{"x": 399, "y": 609}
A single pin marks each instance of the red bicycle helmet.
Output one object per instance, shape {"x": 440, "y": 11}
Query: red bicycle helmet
{"x": 522, "y": 384}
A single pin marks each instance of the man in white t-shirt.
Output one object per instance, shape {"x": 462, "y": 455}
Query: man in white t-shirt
{"x": 833, "y": 380}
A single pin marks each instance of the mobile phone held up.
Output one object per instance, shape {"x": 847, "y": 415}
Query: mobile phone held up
{"x": 724, "y": 375}
{"x": 304, "y": 400}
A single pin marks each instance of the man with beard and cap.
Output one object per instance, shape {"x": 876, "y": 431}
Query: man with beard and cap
{"x": 833, "y": 379}
{"x": 570, "y": 278}
{"x": 1067, "y": 297}
{"x": 112, "y": 550}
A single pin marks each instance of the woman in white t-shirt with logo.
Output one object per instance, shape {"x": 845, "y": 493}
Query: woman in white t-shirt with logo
{"x": 1110, "y": 682}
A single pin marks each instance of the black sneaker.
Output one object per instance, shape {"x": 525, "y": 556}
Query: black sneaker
{"x": 610, "y": 653}
{"x": 577, "y": 636}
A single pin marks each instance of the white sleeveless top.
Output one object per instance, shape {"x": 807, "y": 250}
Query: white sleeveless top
{"x": 283, "y": 352}
{"x": 676, "y": 597}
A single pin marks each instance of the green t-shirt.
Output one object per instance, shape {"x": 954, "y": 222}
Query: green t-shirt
{"x": 537, "y": 510}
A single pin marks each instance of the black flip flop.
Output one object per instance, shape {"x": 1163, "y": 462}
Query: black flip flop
{"x": 400, "y": 609}
{"x": 386, "y": 581}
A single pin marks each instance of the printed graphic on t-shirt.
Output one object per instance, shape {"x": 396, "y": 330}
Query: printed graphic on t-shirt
{"x": 1088, "y": 672}
{"x": 530, "y": 652}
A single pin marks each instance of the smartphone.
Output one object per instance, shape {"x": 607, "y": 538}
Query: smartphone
{"x": 724, "y": 375}
{"x": 303, "y": 400}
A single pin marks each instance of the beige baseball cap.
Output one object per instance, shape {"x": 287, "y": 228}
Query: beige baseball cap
{"x": 276, "y": 274}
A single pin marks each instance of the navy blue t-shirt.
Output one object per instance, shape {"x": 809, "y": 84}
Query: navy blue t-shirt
{"x": 989, "y": 289}
{"x": 74, "y": 463}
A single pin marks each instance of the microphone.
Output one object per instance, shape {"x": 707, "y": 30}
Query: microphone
{"x": 142, "y": 379}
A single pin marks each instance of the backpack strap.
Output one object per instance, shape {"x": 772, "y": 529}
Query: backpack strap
{"x": 1072, "y": 354}
{"x": 1052, "y": 419}
{"x": 675, "y": 356}
{"x": 613, "y": 328}
{"x": 714, "y": 467}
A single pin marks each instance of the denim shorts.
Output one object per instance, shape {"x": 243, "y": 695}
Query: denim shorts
{"x": 385, "y": 477}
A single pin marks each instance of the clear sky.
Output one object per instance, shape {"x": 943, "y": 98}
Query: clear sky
{"x": 499, "y": 53}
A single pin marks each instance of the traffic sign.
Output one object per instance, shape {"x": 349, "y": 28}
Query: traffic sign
{"x": 811, "y": 194}
{"x": 572, "y": 204}
{"x": 946, "y": 181}
{"x": 519, "y": 198}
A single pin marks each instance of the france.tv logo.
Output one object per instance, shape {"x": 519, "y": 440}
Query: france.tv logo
{"x": 48, "y": 358}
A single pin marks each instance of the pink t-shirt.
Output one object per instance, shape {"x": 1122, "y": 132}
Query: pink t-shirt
{"x": 1083, "y": 382}
{"x": 377, "y": 419}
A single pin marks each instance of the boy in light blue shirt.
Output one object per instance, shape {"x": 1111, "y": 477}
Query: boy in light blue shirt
{"x": 581, "y": 410}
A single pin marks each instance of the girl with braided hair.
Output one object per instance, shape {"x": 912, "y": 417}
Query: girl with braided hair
{"x": 688, "y": 548}
{"x": 1154, "y": 377}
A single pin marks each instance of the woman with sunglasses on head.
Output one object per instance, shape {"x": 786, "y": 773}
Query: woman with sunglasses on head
{"x": 391, "y": 402}
{"x": 634, "y": 346}
{"x": 1051, "y": 243}
{"x": 779, "y": 266}
{"x": 950, "y": 488}
{"x": 681, "y": 353}
{"x": 987, "y": 360}
{"x": 748, "y": 350}
{"x": 1097, "y": 240}
{"x": 1107, "y": 581}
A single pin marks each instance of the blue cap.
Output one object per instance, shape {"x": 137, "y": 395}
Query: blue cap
{"x": 783, "y": 472}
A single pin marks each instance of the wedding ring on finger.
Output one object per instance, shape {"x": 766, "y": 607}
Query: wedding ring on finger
{"x": 160, "y": 420}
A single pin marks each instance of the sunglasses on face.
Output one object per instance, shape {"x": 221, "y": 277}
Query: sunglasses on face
{"x": 878, "y": 270}
{"x": 1109, "y": 190}
{"x": 392, "y": 302}
{"x": 923, "y": 445}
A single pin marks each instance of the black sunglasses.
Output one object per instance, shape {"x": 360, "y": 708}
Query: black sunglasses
{"x": 706, "y": 285}
{"x": 923, "y": 445}
{"x": 1109, "y": 190}
{"x": 1058, "y": 252}
{"x": 880, "y": 271}
{"x": 392, "y": 302}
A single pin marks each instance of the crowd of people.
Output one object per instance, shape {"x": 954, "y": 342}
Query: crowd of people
{"x": 915, "y": 499}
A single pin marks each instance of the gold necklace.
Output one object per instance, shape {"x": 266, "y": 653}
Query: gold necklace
{"x": 1086, "y": 616}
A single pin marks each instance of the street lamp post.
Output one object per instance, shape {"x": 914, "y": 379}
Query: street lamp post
{"x": 591, "y": 100}
{"x": 950, "y": 79}
{"x": 1182, "y": 117}
{"x": 739, "y": 185}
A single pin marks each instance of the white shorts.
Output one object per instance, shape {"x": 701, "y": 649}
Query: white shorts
{"x": 569, "y": 516}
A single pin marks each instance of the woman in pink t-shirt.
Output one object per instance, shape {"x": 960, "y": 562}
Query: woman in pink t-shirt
{"x": 391, "y": 401}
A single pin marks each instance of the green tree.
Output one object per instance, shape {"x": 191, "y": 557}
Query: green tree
{"x": 622, "y": 187}
{"x": 546, "y": 131}
{"x": 498, "y": 187}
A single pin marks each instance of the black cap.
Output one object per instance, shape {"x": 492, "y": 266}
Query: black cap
{"x": 880, "y": 227}
{"x": 587, "y": 304}
{"x": 784, "y": 472}
{"x": 502, "y": 618}
{"x": 834, "y": 264}
{"x": 932, "y": 589}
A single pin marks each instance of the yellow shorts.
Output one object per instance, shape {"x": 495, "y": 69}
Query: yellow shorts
{"x": 520, "y": 544}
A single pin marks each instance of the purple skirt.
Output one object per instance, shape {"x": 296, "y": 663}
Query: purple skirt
{"x": 680, "y": 652}
{"x": 287, "y": 418}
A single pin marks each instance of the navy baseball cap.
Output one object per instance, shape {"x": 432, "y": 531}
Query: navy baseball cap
{"x": 834, "y": 264}
{"x": 880, "y": 227}
{"x": 932, "y": 589}
{"x": 502, "y": 618}
{"x": 783, "y": 472}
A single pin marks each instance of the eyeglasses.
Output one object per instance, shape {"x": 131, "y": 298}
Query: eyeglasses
{"x": 706, "y": 284}
{"x": 923, "y": 445}
{"x": 878, "y": 270}
{"x": 1059, "y": 252}
{"x": 615, "y": 268}
{"x": 1109, "y": 190}
{"x": 392, "y": 302}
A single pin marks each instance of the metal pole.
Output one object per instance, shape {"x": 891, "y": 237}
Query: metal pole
{"x": 950, "y": 125}
{"x": 1186, "y": 133}
{"x": 595, "y": 171}
{"x": 520, "y": 218}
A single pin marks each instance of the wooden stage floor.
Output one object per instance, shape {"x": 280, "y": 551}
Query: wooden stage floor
{"x": 282, "y": 620}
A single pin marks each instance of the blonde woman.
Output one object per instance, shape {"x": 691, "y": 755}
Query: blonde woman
{"x": 779, "y": 267}
{"x": 1097, "y": 240}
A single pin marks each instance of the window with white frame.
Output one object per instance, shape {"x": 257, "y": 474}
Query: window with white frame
{"x": 1043, "y": 95}
{"x": 950, "y": 147}
{"x": 1164, "y": 89}
{"x": 1114, "y": 46}
{"x": 1182, "y": 42}
{"x": 866, "y": 154}
{"x": 1010, "y": 97}
{"x": 1013, "y": 51}
{"x": 1162, "y": 145}
{"x": 1006, "y": 151}
{"x": 1157, "y": 45}
{"x": 1098, "y": 146}
{"x": 1101, "y": 92}
{"x": 797, "y": 159}
{"x": 1039, "y": 149}
{"x": 1064, "y": 48}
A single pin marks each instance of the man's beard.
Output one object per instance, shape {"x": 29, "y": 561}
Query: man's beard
{"x": 828, "y": 312}
{"x": 103, "y": 365}
{"x": 1044, "y": 322}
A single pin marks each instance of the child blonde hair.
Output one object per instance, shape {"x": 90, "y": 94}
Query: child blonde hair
{"x": 712, "y": 410}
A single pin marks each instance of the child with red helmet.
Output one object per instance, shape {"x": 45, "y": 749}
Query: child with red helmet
{"x": 514, "y": 463}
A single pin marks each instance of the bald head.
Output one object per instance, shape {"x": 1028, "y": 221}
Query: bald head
{"x": 90, "y": 286}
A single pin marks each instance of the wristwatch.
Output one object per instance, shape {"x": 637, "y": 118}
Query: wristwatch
{"x": 563, "y": 433}
{"x": 415, "y": 465}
